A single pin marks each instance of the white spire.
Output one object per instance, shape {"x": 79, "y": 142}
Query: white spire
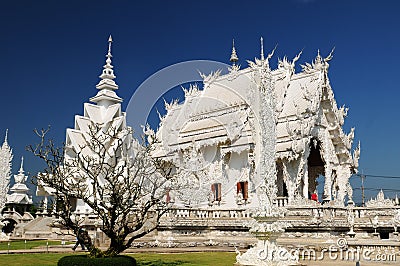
{"x": 234, "y": 58}
{"x": 107, "y": 76}
{"x": 21, "y": 169}
{"x": 319, "y": 58}
{"x": 5, "y": 170}
{"x": 106, "y": 95}
{"x": 262, "y": 48}
{"x": 109, "y": 46}
{"x": 6, "y": 137}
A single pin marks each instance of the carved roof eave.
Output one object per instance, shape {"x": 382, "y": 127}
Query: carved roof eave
{"x": 228, "y": 76}
{"x": 343, "y": 153}
{"x": 340, "y": 114}
{"x": 176, "y": 106}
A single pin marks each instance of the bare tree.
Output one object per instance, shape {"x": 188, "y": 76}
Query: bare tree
{"x": 115, "y": 176}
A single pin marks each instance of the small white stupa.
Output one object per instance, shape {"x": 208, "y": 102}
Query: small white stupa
{"x": 19, "y": 191}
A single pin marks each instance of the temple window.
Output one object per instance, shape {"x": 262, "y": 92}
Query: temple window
{"x": 167, "y": 196}
{"x": 216, "y": 190}
{"x": 242, "y": 189}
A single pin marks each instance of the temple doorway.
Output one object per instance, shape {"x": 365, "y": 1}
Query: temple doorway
{"x": 316, "y": 169}
{"x": 280, "y": 182}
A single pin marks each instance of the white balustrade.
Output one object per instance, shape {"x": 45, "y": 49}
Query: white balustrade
{"x": 233, "y": 214}
{"x": 216, "y": 214}
{"x": 281, "y": 201}
{"x": 202, "y": 214}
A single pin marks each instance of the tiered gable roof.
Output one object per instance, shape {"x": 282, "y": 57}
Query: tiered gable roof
{"x": 222, "y": 112}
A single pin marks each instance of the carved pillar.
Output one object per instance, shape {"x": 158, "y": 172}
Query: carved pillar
{"x": 305, "y": 181}
{"x": 328, "y": 183}
{"x": 290, "y": 172}
{"x": 343, "y": 176}
{"x": 45, "y": 204}
{"x": 265, "y": 106}
{"x": 334, "y": 187}
{"x": 328, "y": 152}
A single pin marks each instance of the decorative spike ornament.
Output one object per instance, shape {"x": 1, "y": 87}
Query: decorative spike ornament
{"x": 234, "y": 58}
{"x": 6, "y": 137}
{"x": 262, "y": 48}
{"x": 106, "y": 95}
{"x": 21, "y": 169}
{"x": 107, "y": 76}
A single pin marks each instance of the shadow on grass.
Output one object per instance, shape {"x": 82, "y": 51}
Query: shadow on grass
{"x": 159, "y": 263}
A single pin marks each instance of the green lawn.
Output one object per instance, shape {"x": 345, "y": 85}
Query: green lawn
{"x": 184, "y": 259}
{"x": 31, "y": 259}
{"x": 20, "y": 244}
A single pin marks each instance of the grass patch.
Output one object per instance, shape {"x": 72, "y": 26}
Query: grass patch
{"x": 181, "y": 259}
{"x": 20, "y": 244}
{"x": 83, "y": 260}
{"x": 42, "y": 259}
{"x": 186, "y": 259}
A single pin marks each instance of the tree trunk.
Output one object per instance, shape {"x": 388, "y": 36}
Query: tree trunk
{"x": 116, "y": 247}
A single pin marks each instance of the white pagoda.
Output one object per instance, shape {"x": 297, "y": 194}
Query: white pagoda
{"x": 105, "y": 112}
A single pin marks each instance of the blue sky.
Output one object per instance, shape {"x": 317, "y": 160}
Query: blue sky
{"x": 52, "y": 53}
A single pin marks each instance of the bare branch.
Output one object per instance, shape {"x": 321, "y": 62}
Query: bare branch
{"x": 114, "y": 175}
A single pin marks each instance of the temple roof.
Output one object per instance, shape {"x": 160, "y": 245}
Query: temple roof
{"x": 16, "y": 198}
{"x": 225, "y": 109}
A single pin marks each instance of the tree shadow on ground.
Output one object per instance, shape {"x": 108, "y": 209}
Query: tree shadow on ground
{"x": 160, "y": 263}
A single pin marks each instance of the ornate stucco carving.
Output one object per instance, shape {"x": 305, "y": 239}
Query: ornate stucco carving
{"x": 171, "y": 105}
{"x": 262, "y": 77}
{"x": 380, "y": 201}
{"x": 233, "y": 72}
{"x": 192, "y": 91}
{"x": 319, "y": 63}
{"x": 210, "y": 78}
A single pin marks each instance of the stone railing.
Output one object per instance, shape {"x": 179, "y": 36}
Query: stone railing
{"x": 316, "y": 211}
{"x": 281, "y": 201}
{"x": 364, "y": 212}
{"x": 315, "y": 215}
{"x": 207, "y": 213}
{"x": 334, "y": 216}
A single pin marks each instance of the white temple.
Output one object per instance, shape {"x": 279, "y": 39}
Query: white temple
{"x": 258, "y": 130}
{"x": 251, "y": 141}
